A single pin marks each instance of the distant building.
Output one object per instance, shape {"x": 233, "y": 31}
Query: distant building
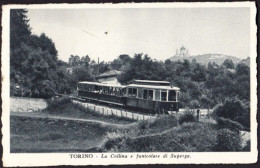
{"x": 69, "y": 70}
{"x": 109, "y": 77}
{"x": 183, "y": 52}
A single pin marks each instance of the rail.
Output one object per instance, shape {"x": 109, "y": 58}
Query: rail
{"x": 108, "y": 111}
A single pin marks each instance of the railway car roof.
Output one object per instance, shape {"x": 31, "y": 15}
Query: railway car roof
{"x": 153, "y": 87}
{"x": 102, "y": 84}
{"x": 151, "y": 81}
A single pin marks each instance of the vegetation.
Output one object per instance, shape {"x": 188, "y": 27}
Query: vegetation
{"x": 163, "y": 134}
{"x": 189, "y": 137}
{"x": 50, "y": 135}
{"x": 233, "y": 110}
{"x": 228, "y": 140}
{"x": 36, "y": 69}
{"x": 64, "y": 107}
{"x": 229, "y": 124}
{"x": 186, "y": 117}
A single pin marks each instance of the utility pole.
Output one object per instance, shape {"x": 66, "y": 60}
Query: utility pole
{"x": 98, "y": 66}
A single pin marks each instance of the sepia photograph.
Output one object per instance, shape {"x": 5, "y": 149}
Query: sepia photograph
{"x": 100, "y": 84}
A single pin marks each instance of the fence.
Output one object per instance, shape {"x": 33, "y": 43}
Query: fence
{"x": 106, "y": 111}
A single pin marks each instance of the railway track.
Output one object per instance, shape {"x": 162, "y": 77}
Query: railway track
{"x": 111, "y": 109}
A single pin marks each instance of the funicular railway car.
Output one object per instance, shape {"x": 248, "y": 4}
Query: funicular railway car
{"x": 152, "y": 96}
{"x": 111, "y": 94}
{"x": 141, "y": 95}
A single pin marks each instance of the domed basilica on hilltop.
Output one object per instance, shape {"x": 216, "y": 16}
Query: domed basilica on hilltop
{"x": 183, "y": 52}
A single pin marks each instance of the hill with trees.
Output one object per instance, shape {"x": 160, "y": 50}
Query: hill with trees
{"x": 206, "y": 58}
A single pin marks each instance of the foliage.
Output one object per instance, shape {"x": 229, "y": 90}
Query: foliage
{"x": 229, "y": 124}
{"x": 33, "y": 59}
{"x": 228, "y": 140}
{"x": 34, "y": 66}
{"x": 55, "y": 103}
{"x": 158, "y": 125}
{"x": 234, "y": 110}
{"x": 189, "y": 137}
{"x": 186, "y": 117}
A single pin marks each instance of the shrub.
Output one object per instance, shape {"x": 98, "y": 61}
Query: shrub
{"x": 165, "y": 121}
{"x": 57, "y": 102}
{"x": 187, "y": 117}
{"x": 228, "y": 140}
{"x": 227, "y": 123}
{"x": 113, "y": 141}
{"x": 234, "y": 110}
{"x": 230, "y": 109}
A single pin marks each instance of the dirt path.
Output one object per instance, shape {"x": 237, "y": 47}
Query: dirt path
{"x": 48, "y": 116}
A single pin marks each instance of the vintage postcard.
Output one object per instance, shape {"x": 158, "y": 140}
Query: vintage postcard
{"x": 146, "y": 83}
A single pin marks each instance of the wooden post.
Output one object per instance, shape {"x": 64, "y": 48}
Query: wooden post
{"x": 103, "y": 110}
{"x": 94, "y": 108}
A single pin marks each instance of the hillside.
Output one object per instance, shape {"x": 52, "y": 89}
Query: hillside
{"x": 245, "y": 61}
{"x": 206, "y": 58}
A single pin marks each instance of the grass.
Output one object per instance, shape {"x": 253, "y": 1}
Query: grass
{"x": 164, "y": 134}
{"x": 188, "y": 137}
{"x": 76, "y": 111}
{"x": 53, "y": 135}
{"x": 49, "y": 135}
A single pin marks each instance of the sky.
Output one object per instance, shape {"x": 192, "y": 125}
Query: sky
{"x": 105, "y": 33}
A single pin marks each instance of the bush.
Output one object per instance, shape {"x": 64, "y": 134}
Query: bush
{"x": 158, "y": 125}
{"x": 227, "y": 123}
{"x": 230, "y": 109}
{"x": 168, "y": 121}
{"x": 113, "y": 141}
{"x": 57, "y": 102}
{"x": 187, "y": 117}
{"x": 228, "y": 140}
{"x": 234, "y": 110}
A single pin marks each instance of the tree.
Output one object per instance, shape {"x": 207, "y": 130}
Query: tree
{"x": 33, "y": 59}
{"x": 228, "y": 63}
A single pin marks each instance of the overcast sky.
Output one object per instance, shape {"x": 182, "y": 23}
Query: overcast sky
{"x": 156, "y": 32}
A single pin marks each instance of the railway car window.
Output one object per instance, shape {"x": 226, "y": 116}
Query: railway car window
{"x": 163, "y": 95}
{"x": 105, "y": 89}
{"x": 112, "y": 90}
{"x": 79, "y": 87}
{"x": 124, "y": 91}
{"x": 157, "y": 95}
{"x": 178, "y": 96}
{"x": 140, "y": 93}
{"x": 134, "y": 92}
{"x": 96, "y": 88}
{"x": 85, "y": 88}
{"x": 145, "y": 94}
{"x": 108, "y": 90}
{"x": 119, "y": 92}
{"x": 172, "y": 95}
{"x": 130, "y": 92}
{"x": 150, "y": 95}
